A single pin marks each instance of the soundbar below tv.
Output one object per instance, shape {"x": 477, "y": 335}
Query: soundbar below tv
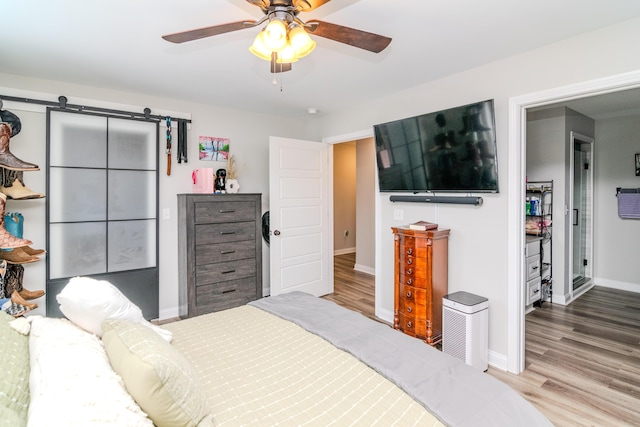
{"x": 452, "y": 150}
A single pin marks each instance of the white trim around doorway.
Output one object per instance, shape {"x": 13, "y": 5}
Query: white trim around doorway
{"x": 517, "y": 136}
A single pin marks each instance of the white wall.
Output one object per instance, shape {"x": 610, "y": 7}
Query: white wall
{"x": 249, "y": 134}
{"x": 478, "y": 243}
{"x": 616, "y": 239}
{"x": 366, "y": 205}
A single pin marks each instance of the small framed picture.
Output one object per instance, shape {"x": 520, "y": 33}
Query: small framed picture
{"x": 637, "y": 164}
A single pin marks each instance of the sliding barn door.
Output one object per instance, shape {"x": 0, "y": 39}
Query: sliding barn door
{"x": 102, "y": 204}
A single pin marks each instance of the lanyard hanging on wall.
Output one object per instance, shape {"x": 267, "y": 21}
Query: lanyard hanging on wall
{"x": 168, "y": 146}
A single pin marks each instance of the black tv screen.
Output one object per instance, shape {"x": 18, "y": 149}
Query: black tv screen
{"x": 451, "y": 150}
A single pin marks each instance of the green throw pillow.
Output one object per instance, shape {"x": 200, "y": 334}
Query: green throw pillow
{"x": 14, "y": 374}
{"x": 158, "y": 377}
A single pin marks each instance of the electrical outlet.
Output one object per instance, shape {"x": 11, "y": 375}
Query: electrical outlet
{"x": 398, "y": 214}
{"x": 166, "y": 213}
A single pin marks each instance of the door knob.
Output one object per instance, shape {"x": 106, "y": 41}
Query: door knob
{"x": 276, "y": 233}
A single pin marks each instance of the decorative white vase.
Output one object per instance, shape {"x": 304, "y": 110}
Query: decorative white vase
{"x": 232, "y": 186}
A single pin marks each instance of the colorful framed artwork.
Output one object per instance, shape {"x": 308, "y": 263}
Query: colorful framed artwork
{"x": 213, "y": 149}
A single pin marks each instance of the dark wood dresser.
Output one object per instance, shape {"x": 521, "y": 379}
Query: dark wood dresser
{"x": 220, "y": 251}
{"x": 420, "y": 280}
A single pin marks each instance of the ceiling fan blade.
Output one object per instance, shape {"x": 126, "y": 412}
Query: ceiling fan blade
{"x": 200, "y": 33}
{"x": 308, "y": 5}
{"x": 357, "y": 38}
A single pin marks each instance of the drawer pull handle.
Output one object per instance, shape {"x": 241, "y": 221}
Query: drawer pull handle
{"x": 409, "y": 282}
{"x": 409, "y": 310}
{"x": 536, "y": 291}
{"x": 227, "y": 252}
{"x": 410, "y": 261}
{"x": 410, "y": 251}
{"x": 227, "y": 210}
{"x": 227, "y": 232}
{"x": 228, "y": 271}
{"x": 535, "y": 267}
{"x": 228, "y": 291}
{"x": 409, "y": 294}
{"x": 409, "y": 325}
{"x": 410, "y": 271}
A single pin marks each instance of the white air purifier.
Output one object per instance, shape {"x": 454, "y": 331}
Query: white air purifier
{"x": 465, "y": 328}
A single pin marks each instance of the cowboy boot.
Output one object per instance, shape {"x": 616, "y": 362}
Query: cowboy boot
{"x": 13, "y": 223}
{"x": 12, "y": 120}
{"x": 16, "y": 298}
{"x": 33, "y": 252}
{"x": 13, "y": 279}
{"x": 29, "y": 295}
{"x": 17, "y": 256}
{"x": 7, "y": 159}
{"x": 7, "y": 240}
{"x": 13, "y": 186}
{"x": 3, "y": 287}
{"x": 17, "y": 310}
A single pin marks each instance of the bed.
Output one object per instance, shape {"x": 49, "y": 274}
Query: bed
{"x": 289, "y": 360}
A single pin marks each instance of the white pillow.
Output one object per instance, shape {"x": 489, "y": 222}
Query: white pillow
{"x": 88, "y": 302}
{"x": 72, "y": 382}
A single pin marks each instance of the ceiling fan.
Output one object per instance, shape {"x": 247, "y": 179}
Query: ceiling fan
{"x": 285, "y": 38}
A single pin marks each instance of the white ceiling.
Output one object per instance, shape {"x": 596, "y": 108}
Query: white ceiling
{"x": 117, "y": 44}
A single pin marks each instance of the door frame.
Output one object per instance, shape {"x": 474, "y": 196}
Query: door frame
{"x": 354, "y": 136}
{"x": 516, "y": 194}
{"x": 573, "y": 136}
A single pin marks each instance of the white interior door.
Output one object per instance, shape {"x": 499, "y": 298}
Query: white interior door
{"x": 301, "y": 238}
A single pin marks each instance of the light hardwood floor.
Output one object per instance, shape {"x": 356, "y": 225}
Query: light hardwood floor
{"x": 582, "y": 360}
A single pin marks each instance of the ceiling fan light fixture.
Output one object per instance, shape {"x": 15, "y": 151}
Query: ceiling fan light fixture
{"x": 287, "y": 55}
{"x": 259, "y": 49}
{"x": 275, "y": 35}
{"x": 301, "y": 42}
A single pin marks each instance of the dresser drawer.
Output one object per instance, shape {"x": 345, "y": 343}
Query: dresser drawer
{"x": 225, "y": 252}
{"x": 533, "y": 289}
{"x": 411, "y": 308}
{"x": 533, "y": 267}
{"x": 410, "y": 294}
{"x": 222, "y": 272}
{"x": 412, "y": 325}
{"x": 223, "y": 295}
{"x": 532, "y": 247}
{"x": 407, "y": 324}
{"x": 224, "y": 211}
{"x": 224, "y": 233}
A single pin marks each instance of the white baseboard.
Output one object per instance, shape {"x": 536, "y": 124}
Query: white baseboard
{"x": 364, "y": 269}
{"x": 615, "y": 284}
{"x": 343, "y": 251}
{"x": 498, "y": 361}
{"x": 386, "y": 315}
{"x": 169, "y": 313}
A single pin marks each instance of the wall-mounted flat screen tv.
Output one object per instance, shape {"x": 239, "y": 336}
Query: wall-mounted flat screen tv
{"x": 451, "y": 150}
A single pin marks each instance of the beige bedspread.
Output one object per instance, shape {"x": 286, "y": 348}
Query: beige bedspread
{"x": 260, "y": 370}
